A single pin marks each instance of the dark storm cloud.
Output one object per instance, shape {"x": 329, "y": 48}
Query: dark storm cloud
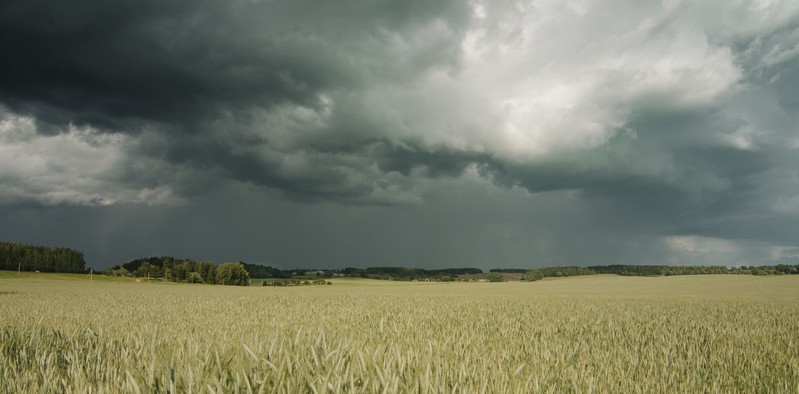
{"x": 635, "y": 120}
{"x": 430, "y": 161}
{"x": 182, "y": 62}
{"x": 201, "y": 76}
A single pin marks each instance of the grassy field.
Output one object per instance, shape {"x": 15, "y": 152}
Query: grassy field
{"x": 584, "y": 334}
{"x": 60, "y": 276}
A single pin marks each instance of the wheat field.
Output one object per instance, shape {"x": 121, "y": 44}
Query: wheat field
{"x": 587, "y": 334}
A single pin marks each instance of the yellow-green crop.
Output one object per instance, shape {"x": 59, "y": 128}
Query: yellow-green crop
{"x": 603, "y": 334}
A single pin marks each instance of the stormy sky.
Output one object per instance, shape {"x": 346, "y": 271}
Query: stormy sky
{"x": 444, "y": 133}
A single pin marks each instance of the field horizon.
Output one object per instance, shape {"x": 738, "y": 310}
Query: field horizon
{"x": 726, "y": 286}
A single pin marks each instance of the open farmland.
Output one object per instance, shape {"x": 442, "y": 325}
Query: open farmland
{"x": 583, "y": 334}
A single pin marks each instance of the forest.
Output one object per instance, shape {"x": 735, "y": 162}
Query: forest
{"x": 24, "y": 257}
{"x": 265, "y": 271}
{"x": 409, "y": 273}
{"x": 394, "y": 273}
{"x": 655, "y": 270}
{"x": 184, "y": 270}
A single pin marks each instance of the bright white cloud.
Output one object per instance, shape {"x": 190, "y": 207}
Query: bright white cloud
{"x": 68, "y": 168}
{"x": 537, "y": 79}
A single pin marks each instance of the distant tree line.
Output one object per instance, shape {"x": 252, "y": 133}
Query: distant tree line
{"x": 184, "y": 270}
{"x": 410, "y": 273}
{"x": 261, "y": 271}
{"x": 555, "y": 272}
{"x": 495, "y": 277}
{"x": 266, "y": 271}
{"x": 657, "y": 270}
{"x": 24, "y": 257}
{"x": 393, "y": 273}
{"x": 660, "y": 270}
{"x": 510, "y": 270}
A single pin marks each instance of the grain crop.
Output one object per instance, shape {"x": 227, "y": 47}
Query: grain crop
{"x": 597, "y": 334}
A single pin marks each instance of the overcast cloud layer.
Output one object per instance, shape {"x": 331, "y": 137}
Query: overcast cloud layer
{"x": 447, "y": 133}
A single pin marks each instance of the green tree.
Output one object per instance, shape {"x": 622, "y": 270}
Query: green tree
{"x": 208, "y": 271}
{"x": 25, "y": 257}
{"x": 495, "y": 277}
{"x": 232, "y": 274}
{"x": 194, "y": 277}
{"x": 146, "y": 269}
{"x": 179, "y": 272}
{"x": 117, "y": 271}
{"x": 533, "y": 275}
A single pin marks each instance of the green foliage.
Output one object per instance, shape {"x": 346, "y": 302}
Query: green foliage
{"x": 354, "y": 272}
{"x": 117, "y": 271}
{"x": 410, "y": 273}
{"x": 556, "y": 272}
{"x": 495, "y": 277}
{"x": 232, "y": 274}
{"x": 194, "y": 277}
{"x": 146, "y": 269}
{"x": 24, "y": 257}
{"x": 656, "y": 270}
{"x": 260, "y": 271}
{"x": 444, "y": 278}
{"x": 660, "y": 270}
{"x": 170, "y": 268}
{"x": 533, "y": 275}
{"x": 510, "y": 270}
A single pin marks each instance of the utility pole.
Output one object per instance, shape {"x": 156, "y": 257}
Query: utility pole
{"x": 19, "y": 267}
